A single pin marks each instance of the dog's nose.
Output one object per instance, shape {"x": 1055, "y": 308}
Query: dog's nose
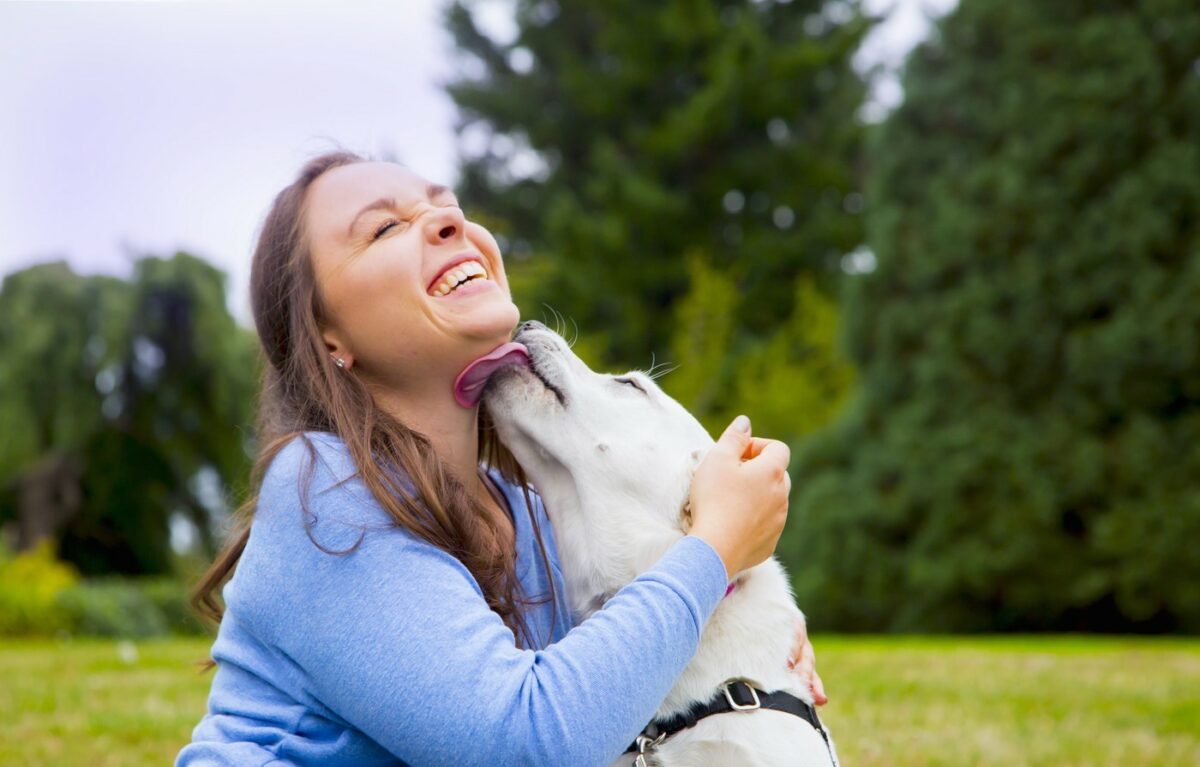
{"x": 530, "y": 325}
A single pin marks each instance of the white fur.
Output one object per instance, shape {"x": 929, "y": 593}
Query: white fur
{"x": 614, "y": 466}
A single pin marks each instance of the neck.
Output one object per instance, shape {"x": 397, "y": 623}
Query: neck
{"x": 449, "y": 427}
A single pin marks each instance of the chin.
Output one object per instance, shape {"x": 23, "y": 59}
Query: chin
{"x": 494, "y": 323}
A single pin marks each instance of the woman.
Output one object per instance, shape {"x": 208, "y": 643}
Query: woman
{"x": 397, "y": 599}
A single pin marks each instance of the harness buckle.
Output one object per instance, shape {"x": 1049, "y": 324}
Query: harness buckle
{"x": 755, "y": 705}
{"x": 645, "y": 744}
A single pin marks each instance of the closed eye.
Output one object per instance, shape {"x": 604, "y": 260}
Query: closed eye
{"x": 632, "y": 383}
{"x": 387, "y": 225}
{"x": 384, "y": 228}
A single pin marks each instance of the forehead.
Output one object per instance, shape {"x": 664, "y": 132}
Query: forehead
{"x": 338, "y": 194}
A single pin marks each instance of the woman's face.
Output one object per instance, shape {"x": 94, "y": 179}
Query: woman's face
{"x": 380, "y": 238}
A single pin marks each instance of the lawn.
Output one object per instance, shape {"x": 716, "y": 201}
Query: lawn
{"x": 895, "y": 702}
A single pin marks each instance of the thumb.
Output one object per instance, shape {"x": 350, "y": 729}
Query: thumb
{"x": 736, "y": 436}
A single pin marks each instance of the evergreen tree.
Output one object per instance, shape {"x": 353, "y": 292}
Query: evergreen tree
{"x": 1025, "y": 452}
{"x": 723, "y": 129}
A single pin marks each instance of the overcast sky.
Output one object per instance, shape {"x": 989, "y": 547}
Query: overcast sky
{"x": 145, "y": 128}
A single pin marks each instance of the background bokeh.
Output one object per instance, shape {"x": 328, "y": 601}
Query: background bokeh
{"x": 947, "y": 251}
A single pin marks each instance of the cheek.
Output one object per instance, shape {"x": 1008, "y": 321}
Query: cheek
{"x": 373, "y": 298}
{"x": 484, "y": 240}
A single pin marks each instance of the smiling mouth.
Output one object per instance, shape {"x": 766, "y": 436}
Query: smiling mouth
{"x": 466, "y": 268}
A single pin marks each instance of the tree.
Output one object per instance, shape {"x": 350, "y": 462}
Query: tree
{"x": 1023, "y": 453}
{"x": 127, "y": 402}
{"x": 791, "y": 382}
{"x": 659, "y": 129}
{"x": 54, "y": 329}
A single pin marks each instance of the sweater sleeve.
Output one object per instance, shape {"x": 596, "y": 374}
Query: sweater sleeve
{"x": 396, "y": 638}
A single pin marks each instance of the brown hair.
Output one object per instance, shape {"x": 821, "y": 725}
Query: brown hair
{"x": 302, "y": 390}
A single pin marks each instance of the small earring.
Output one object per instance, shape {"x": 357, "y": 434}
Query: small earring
{"x": 340, "y": 362}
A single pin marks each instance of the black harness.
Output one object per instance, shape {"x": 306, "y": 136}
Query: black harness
{"x": 734, "y": 695}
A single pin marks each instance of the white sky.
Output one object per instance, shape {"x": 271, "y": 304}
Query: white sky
{"x": 145, "y": 128}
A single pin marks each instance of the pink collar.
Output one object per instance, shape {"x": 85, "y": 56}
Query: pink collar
{"x": 730, "y": 589}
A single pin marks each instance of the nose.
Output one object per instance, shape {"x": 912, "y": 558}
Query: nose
{"x": 444, "y": 224}
{"x": 530, "y": 325}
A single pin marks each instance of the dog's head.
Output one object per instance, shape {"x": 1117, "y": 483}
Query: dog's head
{"x": 612, "y": 455}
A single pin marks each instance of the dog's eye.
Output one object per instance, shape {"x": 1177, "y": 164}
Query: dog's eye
{"x": 632, "y": 383}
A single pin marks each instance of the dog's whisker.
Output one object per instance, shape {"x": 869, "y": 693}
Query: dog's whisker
{"x": 657, "y": 370}
{"x": 557, "y": 318}
{"x": 576, "y": 337}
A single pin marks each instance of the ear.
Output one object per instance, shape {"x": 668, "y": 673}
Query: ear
{"x": 336, "y": 347}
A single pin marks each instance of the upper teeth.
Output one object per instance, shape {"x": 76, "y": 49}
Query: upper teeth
{"x": 456, "y": 275}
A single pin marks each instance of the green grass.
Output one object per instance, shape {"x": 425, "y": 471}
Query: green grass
{"x": 894, "y": 701}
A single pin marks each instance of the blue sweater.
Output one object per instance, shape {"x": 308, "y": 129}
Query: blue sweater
{"x": 390, "y": 655}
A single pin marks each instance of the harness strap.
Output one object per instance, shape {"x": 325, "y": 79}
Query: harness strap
{"x": 734, "y": 695}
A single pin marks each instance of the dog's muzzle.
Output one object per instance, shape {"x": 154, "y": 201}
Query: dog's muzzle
{"x": 529, "y": 334}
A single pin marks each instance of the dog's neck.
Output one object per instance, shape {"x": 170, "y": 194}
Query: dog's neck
{"x": 749, "y": 633}
{"x": 603, "y": 557}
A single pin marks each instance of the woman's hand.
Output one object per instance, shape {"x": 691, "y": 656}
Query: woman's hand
{"x": 804, "y": 662}
{"x": 739, "y": 497}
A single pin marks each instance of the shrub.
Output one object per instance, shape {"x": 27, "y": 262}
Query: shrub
{"x": 112, "y": 607}
{"x": 30, "y": 585}
{"x": 170, "y": 596}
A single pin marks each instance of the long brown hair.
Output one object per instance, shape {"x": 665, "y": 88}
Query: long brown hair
{"x": 302, "y": 390}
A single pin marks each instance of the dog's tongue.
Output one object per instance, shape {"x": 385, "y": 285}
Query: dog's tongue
{"x": 468, "y": 387}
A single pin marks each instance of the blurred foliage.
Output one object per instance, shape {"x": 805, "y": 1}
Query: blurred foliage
{"x": 124, "y": 402}
{"x": 30, "y": 586}
{"x": 1024, "y": 452}
{"x": 129, "y": 607}
{"x": 791, "y": 382}
{"x": 621, "y": 136}
{"x": 43, "y": 596}
{"x": 113, "y": 608}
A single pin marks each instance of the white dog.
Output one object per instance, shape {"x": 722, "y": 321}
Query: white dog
{"x": 613, "y": 457}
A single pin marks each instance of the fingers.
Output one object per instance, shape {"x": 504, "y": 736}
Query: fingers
{"x": 818, "y": 689}
{"x": 803, "y": 661}
{"x": 754, "y": 448}
{"x": 736, "y": 436}
{"x": 773, "y": 457}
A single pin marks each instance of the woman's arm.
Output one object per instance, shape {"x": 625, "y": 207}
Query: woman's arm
{"x": 397, "y": 640}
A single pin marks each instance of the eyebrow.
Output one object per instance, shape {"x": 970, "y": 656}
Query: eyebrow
{"x": 389, "y": 203}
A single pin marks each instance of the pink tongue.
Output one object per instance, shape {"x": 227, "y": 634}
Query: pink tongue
{"x": 468, "y": 387}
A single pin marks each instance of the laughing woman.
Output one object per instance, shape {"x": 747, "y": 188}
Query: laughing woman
{"x": 395, "y": 596}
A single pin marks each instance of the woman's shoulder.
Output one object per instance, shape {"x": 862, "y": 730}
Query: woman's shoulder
{"x": 311, "y": 451}
{"x": 315, "y": 471}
